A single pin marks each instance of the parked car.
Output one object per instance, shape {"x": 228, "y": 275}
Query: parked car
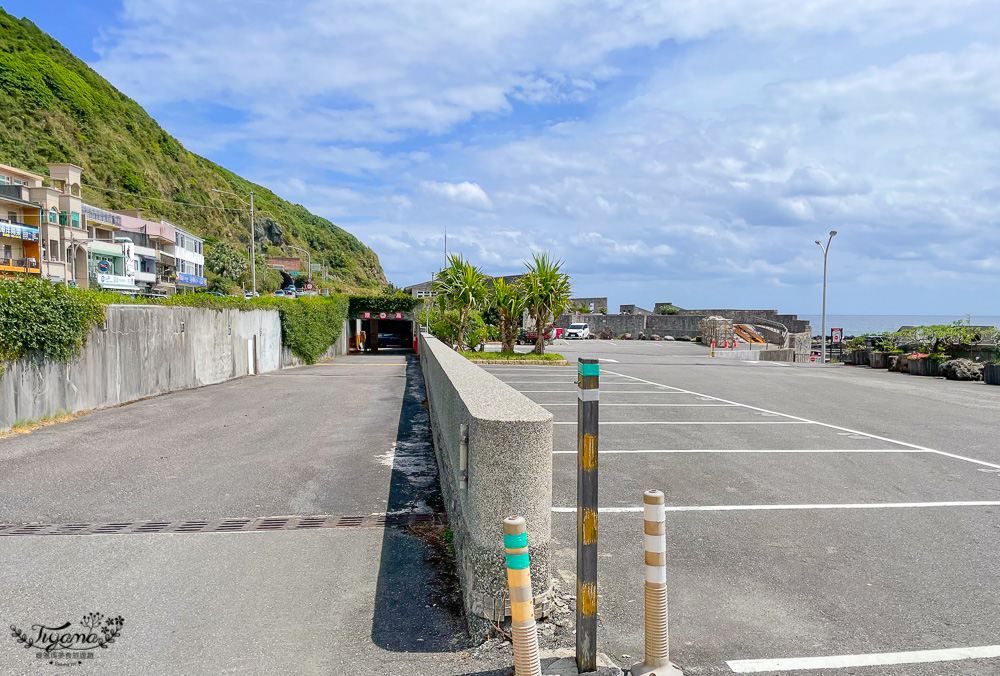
{"x": 581, "y": 331}
{"x": 530, "y": 336}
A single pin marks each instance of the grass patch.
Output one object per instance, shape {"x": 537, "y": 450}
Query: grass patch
{"x": 26, "y": 426}
{"x": 514, "y": 356}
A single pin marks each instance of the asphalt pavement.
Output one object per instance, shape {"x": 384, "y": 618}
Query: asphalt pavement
{"x": 237, "y": 529}
{"x": 837, "y": 515}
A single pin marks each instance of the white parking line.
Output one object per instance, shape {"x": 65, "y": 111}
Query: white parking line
{"x": 816, "y": 422}
{"x": 698, "y": 422}
{"x": 867, "y": 660}
{"x": 574, "y": 392}
{"x": 751, "y": 450}
{"x": 769, "y": 508}
{"x": 603, "y": 404}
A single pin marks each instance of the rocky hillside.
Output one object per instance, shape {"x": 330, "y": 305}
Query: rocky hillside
{"x": 53, "y": 108}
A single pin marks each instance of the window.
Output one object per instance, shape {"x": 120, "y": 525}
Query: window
{"x": 18, "y": 181}
{"x": 76, "y": 220}
{"x": 12, "y": 216}
{"x": 53, "y": 216}
{"x": 53, "y": 250}
{"x": 4, "y": 180}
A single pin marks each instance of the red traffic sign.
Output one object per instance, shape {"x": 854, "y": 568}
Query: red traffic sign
{"x": 812, "y": 358}
{"x": 309, "y": 286}
{"x": 382, "y": 315}
{"x": 367, "y": 315}
{"x": 837, "y": 335}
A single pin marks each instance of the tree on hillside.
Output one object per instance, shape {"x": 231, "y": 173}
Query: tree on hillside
{"x": 508, "y": 300}
{"x": 547, "y": 291}
{"x": 461, "y": 287}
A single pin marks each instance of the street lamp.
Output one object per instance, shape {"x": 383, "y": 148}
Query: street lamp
{"x": 826, "y": 250}
{"x": 253, "y": 237}
{"x": 309, "y": 274}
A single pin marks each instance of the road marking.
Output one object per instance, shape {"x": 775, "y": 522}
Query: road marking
{"x": 328, "y": 363}
{"x": 867, "y": 660}
{"x": 612, "y": 361}
{"x": 816, "y": 422}
{"x": 573, "y": 392}
{"x": 697, "y": 422}
{"x": 767, "y": 508}
{"x": 603, "y": 404}
{"x": 768, "y": 450}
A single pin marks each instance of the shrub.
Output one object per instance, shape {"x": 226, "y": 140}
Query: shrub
{"x": 47, "y": 320}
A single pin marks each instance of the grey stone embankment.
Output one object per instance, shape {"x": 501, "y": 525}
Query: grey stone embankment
{"x": 146, "y": 350}
{"x": 509, "y": 472}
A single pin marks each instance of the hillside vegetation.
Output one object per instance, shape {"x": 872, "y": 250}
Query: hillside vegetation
{"x": 53, "y": 108}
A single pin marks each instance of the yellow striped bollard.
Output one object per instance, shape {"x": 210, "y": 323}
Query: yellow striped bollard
{"x": 657, "y": 648}
{"x": 522, "y": 606}
{"x": 588, "y": 425}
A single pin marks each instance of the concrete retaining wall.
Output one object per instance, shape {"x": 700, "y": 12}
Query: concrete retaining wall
{"x": 142, "y": 351}
{"x": 787, "y": 354}
{"x": 509, "y": 472}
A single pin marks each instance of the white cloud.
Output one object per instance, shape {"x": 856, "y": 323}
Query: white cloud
{"x": 465, "y": 193}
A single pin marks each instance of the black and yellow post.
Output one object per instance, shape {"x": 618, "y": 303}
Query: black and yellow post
{"x": 588, "y": 380}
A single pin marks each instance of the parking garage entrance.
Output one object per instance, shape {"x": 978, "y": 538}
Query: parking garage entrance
{"x": 376, "y": 332}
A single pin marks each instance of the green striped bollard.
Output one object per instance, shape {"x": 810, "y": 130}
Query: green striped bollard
{"x": 522, "y": 605}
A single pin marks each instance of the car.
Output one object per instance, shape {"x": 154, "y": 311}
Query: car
{"x": 581, "y": 331}
{"x": 217, "y": 293}
{"x": 530, "y": 337}
{"x": 278, "y": 293}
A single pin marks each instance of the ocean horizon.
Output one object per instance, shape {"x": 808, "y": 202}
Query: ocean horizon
{"x": 855, "y": 325}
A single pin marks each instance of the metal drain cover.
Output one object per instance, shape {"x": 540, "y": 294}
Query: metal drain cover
{"x": 222, "y": 525}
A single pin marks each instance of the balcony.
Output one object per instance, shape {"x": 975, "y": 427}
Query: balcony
{"x": 23, "y": 265}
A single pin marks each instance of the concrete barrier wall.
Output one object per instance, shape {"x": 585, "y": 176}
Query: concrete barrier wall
{"x": 787, "y": 354}
{"x": 142, "y": 351}
{"x": 509, "y": 472}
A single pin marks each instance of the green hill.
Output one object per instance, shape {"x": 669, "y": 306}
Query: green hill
{"x": 53, "y": 108}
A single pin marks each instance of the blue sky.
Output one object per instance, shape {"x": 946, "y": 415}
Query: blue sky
{"x": 688, "y": 151}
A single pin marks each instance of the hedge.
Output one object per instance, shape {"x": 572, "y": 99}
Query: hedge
{"x": 52, "y": 321}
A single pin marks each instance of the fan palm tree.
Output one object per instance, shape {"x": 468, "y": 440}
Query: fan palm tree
{"x": 509, "y": 301}
{"x": 462, "y": 287}
{"x": 547, "y": 291}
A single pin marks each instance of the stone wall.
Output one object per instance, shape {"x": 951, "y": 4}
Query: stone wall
{"x": 618, "y": 324}
{"x": 142, "y": 351}
{"x": 509, "y": 472}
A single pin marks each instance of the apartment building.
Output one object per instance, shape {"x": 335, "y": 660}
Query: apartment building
{"x": 153, "y": 260}
{"x": 20, "y": 248}
{"x": 189, "y": 257}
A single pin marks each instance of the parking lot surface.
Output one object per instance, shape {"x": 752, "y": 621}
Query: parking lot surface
{"x": 819, "y": 517}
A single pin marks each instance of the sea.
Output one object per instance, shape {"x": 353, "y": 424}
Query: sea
{"x": 856, "y": 325}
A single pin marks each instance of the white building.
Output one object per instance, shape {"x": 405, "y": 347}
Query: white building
{"x": 189, "y": 253}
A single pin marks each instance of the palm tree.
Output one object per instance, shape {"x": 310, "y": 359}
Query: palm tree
{"x": 509, "y": 301}
{"x": 462, "y": 286}
{"x": 547, "y": 291}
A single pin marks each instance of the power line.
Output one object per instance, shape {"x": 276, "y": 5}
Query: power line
{"x": 160, "y": 199}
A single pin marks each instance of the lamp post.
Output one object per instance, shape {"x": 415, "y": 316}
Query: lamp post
{"x": 826, "y": 251}
{"x": 253, "y": 237}
{"x": 309, "y": 273}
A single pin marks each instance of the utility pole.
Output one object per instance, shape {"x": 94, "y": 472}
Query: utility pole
{"x": 826, "y": 251}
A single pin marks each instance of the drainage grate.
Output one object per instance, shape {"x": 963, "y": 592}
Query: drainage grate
{"x": 223, "y": 526}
